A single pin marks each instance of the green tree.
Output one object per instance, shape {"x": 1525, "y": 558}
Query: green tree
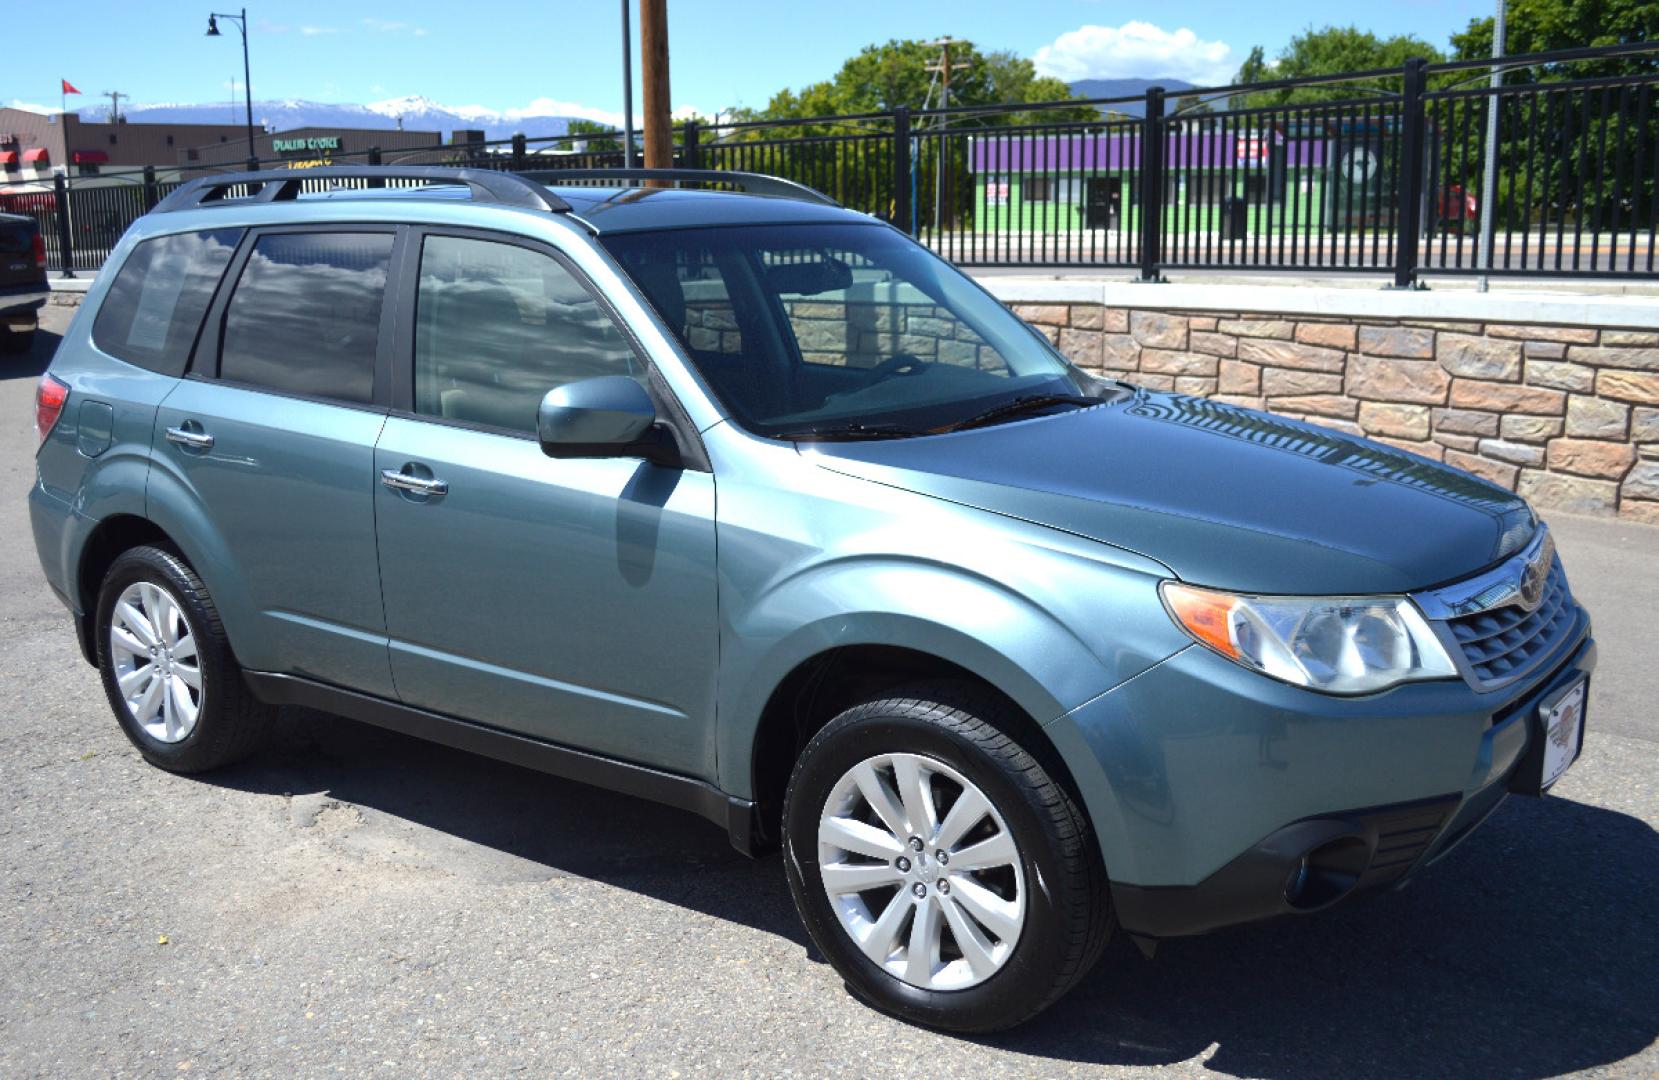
{"x": 885, "y": 77}
{"x": 1255, "y": 68}
{"x": 857, "y": 168}
{"x": 1549, "y": 25}
{"x": 581, "y": 127}
{"x": 1337, "y": 50}
{"x": 1573, "y": 155}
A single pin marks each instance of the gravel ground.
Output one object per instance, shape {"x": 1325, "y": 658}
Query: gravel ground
{"x": 355, "y": 902}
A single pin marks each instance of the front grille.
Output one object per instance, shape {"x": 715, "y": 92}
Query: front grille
{"x": 1504, "y": 643}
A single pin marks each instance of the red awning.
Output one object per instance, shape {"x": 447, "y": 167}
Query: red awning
{"x": 35, "y": 155}
{"x": 8, "y": 157}
{"x": 88, "y": 157}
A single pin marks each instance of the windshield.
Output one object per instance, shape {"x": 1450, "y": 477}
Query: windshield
{"x": 839, "y": 330}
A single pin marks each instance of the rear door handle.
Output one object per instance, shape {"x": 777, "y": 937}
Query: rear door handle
{"x": 195, "y": 440}
{"x": 417, "y": 485}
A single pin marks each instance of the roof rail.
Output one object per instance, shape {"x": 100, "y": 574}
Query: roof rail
{"x": 747, "y": 182}
{"x": 282, "y": 185}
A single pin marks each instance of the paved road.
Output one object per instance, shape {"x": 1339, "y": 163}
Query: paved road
{"x": 358, "y": 903}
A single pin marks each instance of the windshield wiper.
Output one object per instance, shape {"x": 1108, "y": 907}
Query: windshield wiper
{"x": 849, "y": 432}
{"x": 1010, "y": 409}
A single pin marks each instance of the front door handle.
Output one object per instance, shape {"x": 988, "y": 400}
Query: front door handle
{"x": 416, "y": 485}
{"x": 193, "y": 440}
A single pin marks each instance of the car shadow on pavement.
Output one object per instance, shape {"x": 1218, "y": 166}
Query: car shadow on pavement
{"x": 1530, "y": 951}
{"x": 530, "y": 825}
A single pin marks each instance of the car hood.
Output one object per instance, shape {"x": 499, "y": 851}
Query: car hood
{"x": 1223, "y": 496}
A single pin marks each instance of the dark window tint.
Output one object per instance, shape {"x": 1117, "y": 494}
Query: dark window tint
{"x": 155, "y": 305}
{"x": 498, "y": 326}
{"x": 305, "y": 317}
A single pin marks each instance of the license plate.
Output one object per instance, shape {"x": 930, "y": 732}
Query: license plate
{"x": 1562, "y": 720}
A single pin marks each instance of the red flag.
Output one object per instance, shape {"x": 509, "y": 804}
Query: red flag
{"x": 68, "y": 87}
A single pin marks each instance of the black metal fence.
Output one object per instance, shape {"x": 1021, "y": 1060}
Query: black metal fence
{"x": 1374, "y": 172}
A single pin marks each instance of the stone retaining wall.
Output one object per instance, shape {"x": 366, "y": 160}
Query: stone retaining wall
{"x": 1566, "y": 415}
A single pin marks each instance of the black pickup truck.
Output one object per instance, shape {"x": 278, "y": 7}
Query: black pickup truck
{"x": 23, "y": 289}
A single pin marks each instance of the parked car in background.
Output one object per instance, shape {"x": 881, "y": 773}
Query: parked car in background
{"x": 754, "y": 506}
{"x": 23, "y": 287}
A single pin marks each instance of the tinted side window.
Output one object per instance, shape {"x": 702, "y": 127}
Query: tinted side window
{"x": 498, "y": 326}
{"x": 305, "y": 317}
{"x": 154, "y": 307}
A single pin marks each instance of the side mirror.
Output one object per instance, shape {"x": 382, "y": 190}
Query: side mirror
{"x": 610, "y": 416}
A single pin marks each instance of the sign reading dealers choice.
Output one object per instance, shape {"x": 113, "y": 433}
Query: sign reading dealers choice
{"x": 293, "y": 146}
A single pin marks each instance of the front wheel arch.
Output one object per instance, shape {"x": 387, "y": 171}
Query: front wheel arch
{"x": 822, "y": 686}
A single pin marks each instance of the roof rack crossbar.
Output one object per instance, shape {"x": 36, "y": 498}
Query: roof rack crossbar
{"x": 747, "y": 182}
{"x": 282, "y": 185}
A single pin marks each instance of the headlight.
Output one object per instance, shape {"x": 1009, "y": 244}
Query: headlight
{"x": 1334, "y": 644}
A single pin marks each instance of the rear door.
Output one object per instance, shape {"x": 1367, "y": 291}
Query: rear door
{"x": 271, "y": 437}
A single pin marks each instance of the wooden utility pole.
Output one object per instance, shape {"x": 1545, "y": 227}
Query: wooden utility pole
{"x": 653, "y": 49}
{"x": 115, "y": 97}
{"x": 942, "y": 68}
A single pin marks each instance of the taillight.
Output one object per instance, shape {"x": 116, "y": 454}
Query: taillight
{"x": 49, "y": 398}
{"x": 40, "y": 252}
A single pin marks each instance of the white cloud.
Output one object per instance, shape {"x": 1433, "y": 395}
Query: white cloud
{"x": 394, "y": 26}
{"x": 313, "y": 31}
{"x": 1135, "y": 49}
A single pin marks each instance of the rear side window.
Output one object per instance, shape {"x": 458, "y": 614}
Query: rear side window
{"x": 154, "y": 308}
{"x": 498, "y": 326}
{"x": 305, "y": 316}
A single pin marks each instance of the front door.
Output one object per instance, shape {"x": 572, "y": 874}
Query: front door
{"x": 569, "y": 600}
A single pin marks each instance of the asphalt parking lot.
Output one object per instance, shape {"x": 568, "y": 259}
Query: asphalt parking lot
{"x": 355, "y": 902}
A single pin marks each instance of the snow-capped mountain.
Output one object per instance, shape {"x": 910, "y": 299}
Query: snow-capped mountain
{"x": 542, "y": 117}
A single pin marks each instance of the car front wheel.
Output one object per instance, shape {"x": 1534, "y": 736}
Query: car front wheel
{"x": 947, "y": 876}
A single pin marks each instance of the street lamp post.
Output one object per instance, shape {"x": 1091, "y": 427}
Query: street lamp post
{"x": 241, "y": 22}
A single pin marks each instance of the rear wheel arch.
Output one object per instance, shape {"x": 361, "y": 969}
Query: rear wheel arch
{"x": 109, "y": 539}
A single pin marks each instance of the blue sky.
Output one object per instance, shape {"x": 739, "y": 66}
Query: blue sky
{"x": 506, "y": 55}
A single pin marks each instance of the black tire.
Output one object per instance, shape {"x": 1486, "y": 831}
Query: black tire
{"x": 1068, "y": 918}
{"x": 16, "y": 342}
{"x": 231, "y": 724}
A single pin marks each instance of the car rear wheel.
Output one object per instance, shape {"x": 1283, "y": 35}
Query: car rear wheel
{"x": 942, "y": 870}
{"x": 167, "y": 668}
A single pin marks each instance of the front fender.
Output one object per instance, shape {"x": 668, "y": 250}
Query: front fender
{"x": 977, "y": 623}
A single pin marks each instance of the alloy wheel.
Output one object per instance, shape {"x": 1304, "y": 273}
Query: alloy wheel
{"x": 922, "y": 871}
{"x": 153, "y": 651}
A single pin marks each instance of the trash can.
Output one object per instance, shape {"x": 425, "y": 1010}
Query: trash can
{"x": 1234, "y": 217}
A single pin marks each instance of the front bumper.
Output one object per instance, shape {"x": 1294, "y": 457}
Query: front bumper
{"x": 1208, "y": 783}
